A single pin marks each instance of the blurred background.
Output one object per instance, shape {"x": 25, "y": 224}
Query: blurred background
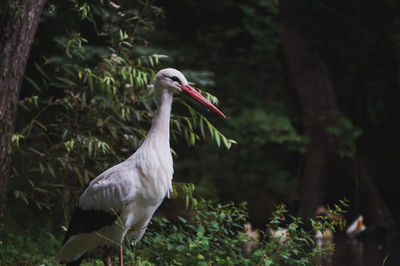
{"x": 311, "y": 88}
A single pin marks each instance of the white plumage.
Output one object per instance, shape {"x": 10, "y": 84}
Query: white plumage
{"x": 356, "y": 227}
{"x": 133, "y": 189}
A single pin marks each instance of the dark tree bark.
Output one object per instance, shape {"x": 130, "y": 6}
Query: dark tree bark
{"x": 19, "y": 22}
{"x": 311, "y": 79}
{"x": 374, "y": 206}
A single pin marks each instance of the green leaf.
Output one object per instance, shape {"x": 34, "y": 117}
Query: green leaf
{"x": 67, "y": 81}
{"x": 41, "y": 71}
{"x": 33, "y": 83}
{"x": 90, "y": 147}
{"x": 217, "y": 139}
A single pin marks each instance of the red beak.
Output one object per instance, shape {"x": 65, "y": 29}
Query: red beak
{"x": 360, "y": 223}
{"x": 192, "y": 93}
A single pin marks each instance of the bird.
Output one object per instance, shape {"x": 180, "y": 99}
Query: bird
{"x": 325, "y": 237}
{"x": 252, "y": 239}
{"x": 125, "y": 196}
{"x": 355, "y": 242}
{"x": 356, "y": 228}
{"x": 280, "y": 234}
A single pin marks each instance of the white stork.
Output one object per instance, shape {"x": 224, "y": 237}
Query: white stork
{"x": 125, "y": 196}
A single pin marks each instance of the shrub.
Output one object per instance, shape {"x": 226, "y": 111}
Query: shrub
{"x": 214, "y": 236}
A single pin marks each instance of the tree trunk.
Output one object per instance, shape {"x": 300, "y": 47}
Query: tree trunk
{"x": 375, "y": 207}
{"x": 317, "y": 98}
{"x": 311, "y": 79}
{"x": 17, "y": 31}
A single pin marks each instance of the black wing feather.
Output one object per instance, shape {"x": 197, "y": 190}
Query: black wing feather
{"x": 86, "y": 221}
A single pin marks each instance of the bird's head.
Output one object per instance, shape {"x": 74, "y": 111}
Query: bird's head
{"x": 174, "y": 81}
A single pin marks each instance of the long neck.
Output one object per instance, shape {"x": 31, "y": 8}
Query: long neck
{"x": 159, "y": 131}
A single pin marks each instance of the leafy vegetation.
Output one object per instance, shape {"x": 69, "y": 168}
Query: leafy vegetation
{"x": 28, "y": 245}
{"x": 211, "y": 235}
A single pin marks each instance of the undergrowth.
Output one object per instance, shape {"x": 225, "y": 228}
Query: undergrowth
{"x": 213, "y": 235}
{"x": 31, "y": 245}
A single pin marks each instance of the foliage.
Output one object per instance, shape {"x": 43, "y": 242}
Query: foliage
{"x": 185, "y": 191}
{"x": 30, "y": 245}
{"x": 266, "y": 127}
{"x": 214, "y": 236}
{"x": 88, "y": 105}
{"x": 347, "y": 133}
{"x": 211, "y": 235}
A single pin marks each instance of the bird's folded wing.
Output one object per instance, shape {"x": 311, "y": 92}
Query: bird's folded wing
{"x": 111, "y": 190}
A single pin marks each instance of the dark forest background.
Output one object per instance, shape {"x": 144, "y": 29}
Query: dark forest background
{"x": 311, "y": 88}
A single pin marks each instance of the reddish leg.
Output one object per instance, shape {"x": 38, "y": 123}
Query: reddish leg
{"x": 121, "y": 258}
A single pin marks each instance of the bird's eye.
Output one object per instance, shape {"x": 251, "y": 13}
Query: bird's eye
{"x": 175, "y": 78}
